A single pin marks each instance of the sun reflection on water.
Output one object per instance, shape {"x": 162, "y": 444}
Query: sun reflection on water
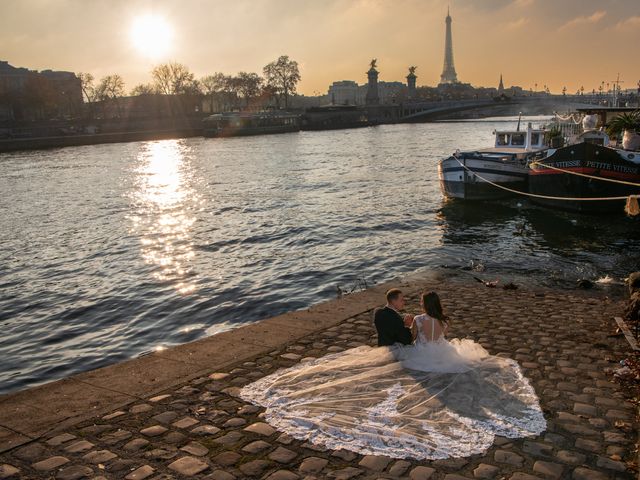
{"x": 165, "y": 202}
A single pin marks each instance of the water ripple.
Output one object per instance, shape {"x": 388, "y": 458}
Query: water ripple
{"x": 111, "y": 251}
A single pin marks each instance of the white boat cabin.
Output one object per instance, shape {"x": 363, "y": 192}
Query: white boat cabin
{"x": 529, "y": 139}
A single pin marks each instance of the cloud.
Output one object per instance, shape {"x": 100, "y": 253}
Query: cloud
{"x": 522, "y": 3}
{"x": 516, "y": 24}
{"x": 629, "y": 23}
{"x": 592, "y": 19}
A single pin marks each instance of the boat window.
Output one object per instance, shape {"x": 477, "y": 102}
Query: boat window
{"x": 502, "y": 139}
{"x": 535, "y": 138}
{"x": 594, "y": 140}
{"x": 517, "y": 139}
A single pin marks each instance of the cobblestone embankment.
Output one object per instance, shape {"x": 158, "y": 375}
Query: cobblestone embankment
{"x": 176, "y": 413}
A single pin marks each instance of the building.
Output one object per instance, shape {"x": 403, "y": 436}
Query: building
{"x": 348, "y": 92}
{"x": 31, "y": 95}
{"x": 372, "y": 97}
{"x": 449, "y": 75}
{"x": 411, "y": 83}
{"x": 344, "y": 92}
{"x": 392, "y": 92}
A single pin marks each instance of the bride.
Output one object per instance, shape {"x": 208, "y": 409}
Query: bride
{"x": 431, "y": 400}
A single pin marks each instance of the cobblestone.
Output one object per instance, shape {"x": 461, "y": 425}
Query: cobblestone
{"x": 188, "y": 466}
{"x": 202, "y": 428}
{"x": 313, "y": 465}
{"x": 421, "y": 473}
{"x": 399, "y": 468}
{"x": 140, "y": 473}
{"x": 254, "y": 468}
{"x": 135, "y": 444}
{"x": 100, "y": 456}
{"x": 9, "y": 471}
{"x": 195, "y": 448}
{"x": 571, "y": 458}
{"x": 255, "y": 447}
{"x": 261, "y": 429}
{"x": 505, "y": 456}
{"x": 283, "y": 475}
{"x": 153, "y": 431}
{"x": 77, "y": 447}
{"x": 582, "y": 473}
{"x": 50, "y": 463}
{"x": 375, "y": 463}
{"x": 60, "y": 439}
{"x": 74, "y": 472}
{"x": 485, "y": 471}
{"x": 282, "y": 455}
{"x": 609, "y": 464}
{"x": 548, "y": 469}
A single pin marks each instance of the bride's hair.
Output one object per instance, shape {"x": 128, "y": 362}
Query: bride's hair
{"x": 433, "y": 307}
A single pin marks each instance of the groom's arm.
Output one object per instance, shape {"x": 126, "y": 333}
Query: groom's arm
{"x": 404, "y": 334}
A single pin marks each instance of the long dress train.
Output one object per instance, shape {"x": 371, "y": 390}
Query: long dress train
{"x": 432, "y": 400}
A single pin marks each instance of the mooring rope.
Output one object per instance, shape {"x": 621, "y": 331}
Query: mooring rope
{"x": 623, "y": 182}
{"x": 546, "y": 197}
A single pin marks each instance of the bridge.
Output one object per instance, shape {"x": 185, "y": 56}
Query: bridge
{"x": 425, "y": 111}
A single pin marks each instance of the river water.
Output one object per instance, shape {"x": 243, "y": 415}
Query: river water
{"x": 110, "y": 251}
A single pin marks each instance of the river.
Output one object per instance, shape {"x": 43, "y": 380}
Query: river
{"x": 111, "y": 251}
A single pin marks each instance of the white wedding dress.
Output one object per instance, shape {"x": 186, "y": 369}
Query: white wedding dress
{"x": 432, "y": 400}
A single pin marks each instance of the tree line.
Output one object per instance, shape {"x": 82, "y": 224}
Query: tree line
{"x": 277, "y": 84}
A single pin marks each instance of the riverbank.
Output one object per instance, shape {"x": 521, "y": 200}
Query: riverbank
{"x": 39, "y": 143}
{"x": 176, "y": 411}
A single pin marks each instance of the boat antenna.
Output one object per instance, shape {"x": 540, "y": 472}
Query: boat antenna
{"x": 519, "y": 117}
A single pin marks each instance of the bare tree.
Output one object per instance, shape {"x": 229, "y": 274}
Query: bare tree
{"x": 111, "y": 88}
{"x": 88, "y": 88}
{"x": 88, "y": 91}
{"x": 283, "y": 75}
{"x": 143, "y": 89}
{"x": 249, "y": 85}
{"x": 174, "y": 79}
{"x": 213, "y": 86}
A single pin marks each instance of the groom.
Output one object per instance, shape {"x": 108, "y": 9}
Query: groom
{"x": 390, "y": 324}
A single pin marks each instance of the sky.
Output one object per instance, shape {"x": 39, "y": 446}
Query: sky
{"x": 558, "y": 43}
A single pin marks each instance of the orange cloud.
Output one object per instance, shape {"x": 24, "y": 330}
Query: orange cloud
{"x": 592, "y": 19}
{"x": 629, "y": 23}
{"x": 522, "y": 3}
{"x": 516, "y": 24}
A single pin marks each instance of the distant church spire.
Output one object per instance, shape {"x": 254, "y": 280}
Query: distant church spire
{"x": 448, "y": 72}
{"x": 501, "y": 85}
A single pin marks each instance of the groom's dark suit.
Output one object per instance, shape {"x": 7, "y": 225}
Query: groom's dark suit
{"x": 390, "y": 327}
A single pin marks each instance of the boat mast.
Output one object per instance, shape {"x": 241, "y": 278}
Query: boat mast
{"x": 616, "y": 90}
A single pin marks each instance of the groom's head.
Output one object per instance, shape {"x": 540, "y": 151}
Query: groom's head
{"x": 395, "y": 298}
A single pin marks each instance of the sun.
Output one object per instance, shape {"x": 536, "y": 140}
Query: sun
{"x": 152, "y": 36}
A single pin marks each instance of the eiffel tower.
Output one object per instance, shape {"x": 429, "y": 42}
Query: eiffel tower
{"x": 449, "y": 71}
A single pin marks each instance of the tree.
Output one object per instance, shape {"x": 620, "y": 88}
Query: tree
{"x": 88, "y": 91}
{"x": 270, "y": 92}
{"x": 248, "y": 85}
{"x": 174, "y": 79}
{"x": 282, "y": 75}
{"x": 212, "y": 86}
{"x": 111, "y": 88}
{"x": 88, "y": 88}
{"x": 143, "y": 89}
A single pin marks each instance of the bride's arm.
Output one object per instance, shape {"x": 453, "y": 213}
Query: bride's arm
{"x": 414, "y": 330}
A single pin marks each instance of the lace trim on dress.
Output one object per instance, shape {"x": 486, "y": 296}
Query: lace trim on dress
{"x": 365, "y": 400}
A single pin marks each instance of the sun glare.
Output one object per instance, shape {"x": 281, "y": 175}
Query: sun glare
{"x": 152, "y": 36}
